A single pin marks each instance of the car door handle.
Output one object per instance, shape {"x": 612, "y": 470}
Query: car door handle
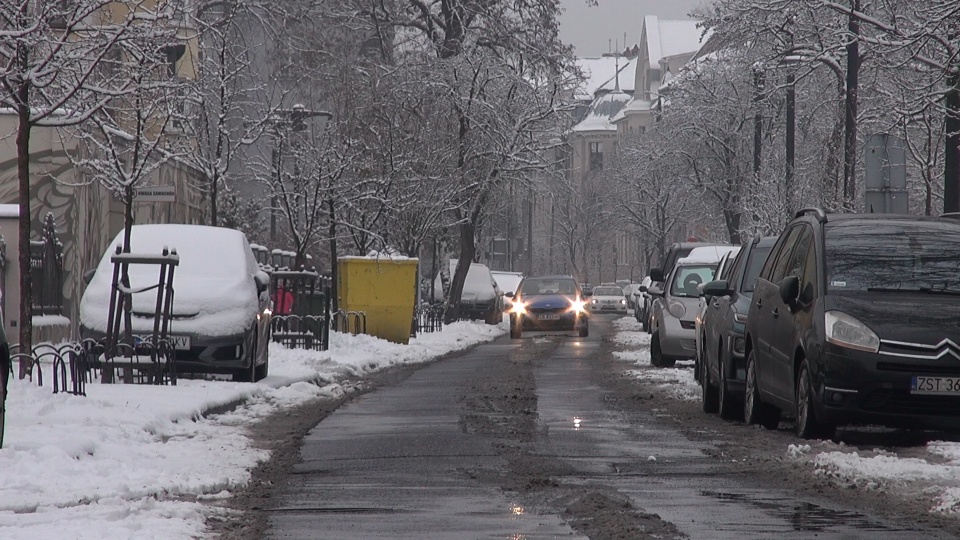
{"x": 775, "y": 312}
{"x": 716, "y": 305}
{"x": 759, "y": 303}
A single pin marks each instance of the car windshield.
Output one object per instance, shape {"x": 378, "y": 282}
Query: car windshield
{"x": 687, "y": 278}
{"x": 535, "y": 286}
{"x": 758, "y": 255}
{"x": 608, "y": 291}
{"x": 893, "y": 256}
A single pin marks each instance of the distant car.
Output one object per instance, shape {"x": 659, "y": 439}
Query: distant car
{"x": 629, "y": 293}
{"x": 672, "y": 319}
{"x": 720, "y": 341}
{"x": 549, "y": 303}
{"x": 607, "y": 298}
{"x": 221, "y": 306}
{"x": 854, "y": 321}
{"x": 481, "y": 298}
{"x": 643, "y": 299}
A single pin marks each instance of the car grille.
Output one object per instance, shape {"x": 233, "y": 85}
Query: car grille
{"x": 688, "y": 325}
{"x": 919, "y": 369}
{"x": 903, "y": 402}
{"x": 920, "y": 350}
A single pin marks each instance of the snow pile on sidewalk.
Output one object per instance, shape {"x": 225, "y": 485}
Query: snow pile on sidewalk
{"x": 678, "y": 382}
{"x": 131, "y": 461}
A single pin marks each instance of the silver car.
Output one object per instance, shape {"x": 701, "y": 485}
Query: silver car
{"x": 673, "y": 325}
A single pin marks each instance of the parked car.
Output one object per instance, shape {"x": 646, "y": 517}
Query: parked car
{"x": 643, "y": 300}
{"x": 481, "y": 298}
{"x": 549, "y": 303}
{"x": 724, "y": 267}
{"x": 508, "y": 283}
{"x": 607, "y": 298}
{"x": 854, "y": 320}
{"x": 672, "y": 318}
{"x": 5, "y": 368}
{"x": 720, "y": 340}
{"x": 659, "y": 273}
{"x": 629, "y": 295}
{"x": 221, "y": 308}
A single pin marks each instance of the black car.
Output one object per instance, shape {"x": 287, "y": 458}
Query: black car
{"x": 720, "y": 357}
{"x": 549, "y": 303}
{"x": 854, "y": 319}
{"x": 5, "y": 368}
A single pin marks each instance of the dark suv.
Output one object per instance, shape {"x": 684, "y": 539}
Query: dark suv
{"x": 854, "y": 320}
{"x": 720, "y": 358}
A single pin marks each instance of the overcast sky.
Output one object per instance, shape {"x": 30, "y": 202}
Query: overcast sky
{"x": 594, "y": 30}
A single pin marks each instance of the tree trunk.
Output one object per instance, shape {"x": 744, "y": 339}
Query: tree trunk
{"x": 23, "y": 240}
{"x": 467, "y": 252}
{"x": 850, "y": 133}
{"x": 951, "y": 158}
{"x": 334, "y": 292}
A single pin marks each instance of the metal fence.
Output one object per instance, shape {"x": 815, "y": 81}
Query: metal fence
{"x": 428, "y": 318}
{"x": 70, "y": 366}
{"x": 46, "y": 270}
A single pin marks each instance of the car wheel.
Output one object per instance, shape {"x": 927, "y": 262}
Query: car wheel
{"x": 729, "y": 407}
{"x": 656, "y": 353}
{"x": 808, "y": 426}
{"x": 249, "y": 373}
{"x": 263, "y": 369}
{"x": 515, "y": 328}
{"x": 708, "y": 393}
{"x": 584, "y": 329}
{"x": 754, "y": 410}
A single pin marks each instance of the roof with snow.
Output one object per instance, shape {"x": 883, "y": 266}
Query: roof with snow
{"x": 602, "y": 110}
{"x": 626, "y": 77}
{"x": 596, "y": 71}
{"x": 667, "y": 38}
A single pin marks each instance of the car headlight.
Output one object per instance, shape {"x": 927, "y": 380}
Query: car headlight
{"x": 578, "y": 306}
{"x": 624, "y": 301}
{"x": 518, "y": 308}
{"x": 846, "y": 331}
{"x": 594, "y": 301}
{"x": 676, "y": 309}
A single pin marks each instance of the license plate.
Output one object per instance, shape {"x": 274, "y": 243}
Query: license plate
{"x": 548, "y": 316}
{"x": 180, "y": 343}
{"x": 935, "y": 385}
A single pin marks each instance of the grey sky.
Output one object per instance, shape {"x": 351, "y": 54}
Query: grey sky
{"x": 593, "y": 30}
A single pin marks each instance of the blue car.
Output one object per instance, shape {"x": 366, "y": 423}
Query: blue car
{"x": 549, "y": 303}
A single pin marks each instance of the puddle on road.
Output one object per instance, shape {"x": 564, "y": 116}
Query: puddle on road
{"x": 804, "y": 516}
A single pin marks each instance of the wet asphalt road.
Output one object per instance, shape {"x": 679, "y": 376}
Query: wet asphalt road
{"x": 433, "y": 458}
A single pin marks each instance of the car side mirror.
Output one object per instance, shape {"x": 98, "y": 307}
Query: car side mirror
{"x": 643, "y": 289}
{"x": 789, "y": 290}
{"x": 509, "y": 295}
{"x": 718, "y": 287}
{"x": 263, "y": 281}
{"x": 656, "y": 274}
{"x": 587, "y": 294}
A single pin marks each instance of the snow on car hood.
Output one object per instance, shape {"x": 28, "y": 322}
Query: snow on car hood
{"x": 214, "y": 290}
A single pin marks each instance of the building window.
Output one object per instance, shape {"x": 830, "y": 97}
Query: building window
{"x": 596, "y": 156}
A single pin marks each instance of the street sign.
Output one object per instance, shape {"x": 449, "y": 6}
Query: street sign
{"x": 155, "y": 194}
{"x": 885, "y": 169}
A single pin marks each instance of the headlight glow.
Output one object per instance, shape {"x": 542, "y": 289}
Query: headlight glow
{"x": 518, "y": 308}
{"x": 846, "y": 331}
{"x": 578, "y": 306}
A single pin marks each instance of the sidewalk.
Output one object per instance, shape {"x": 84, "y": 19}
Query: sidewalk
{"x": 134, "y": 460}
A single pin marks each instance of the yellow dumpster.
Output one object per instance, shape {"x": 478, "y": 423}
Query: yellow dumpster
{"x": 384, "y": 289}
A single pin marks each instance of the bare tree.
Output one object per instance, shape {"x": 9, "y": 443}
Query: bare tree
{"x": 50, "y": 74}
